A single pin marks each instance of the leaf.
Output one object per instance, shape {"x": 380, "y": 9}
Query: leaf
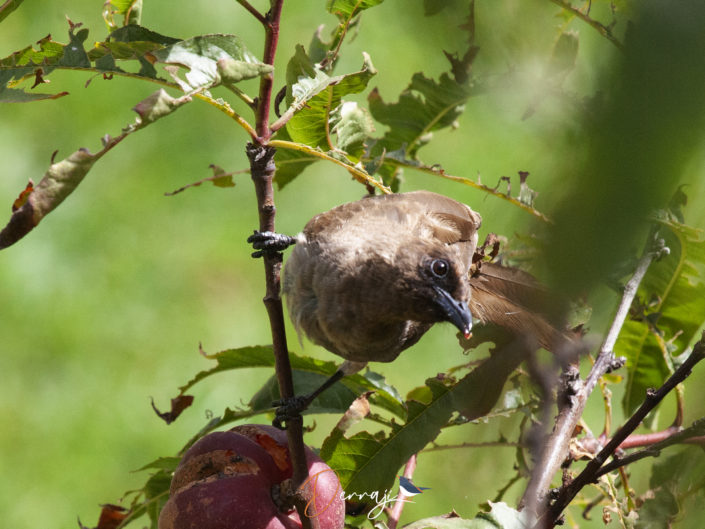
{"x": 212, "y": 58}
{"x": 162, "y": 463}
{"x": 317, "y": 111}
{"x": 315, "y": 95}
{"x": 220, "y": 178}
{"x": 130, "y": 10}
{"x": 676, "y": 284}
{"x": 562, "y": 62}
{"x": 178, "y": 405}
{"x": 349, "y": 8}
{"x": 353, "y": 125}
{"x": 8, "y": 7}
{"x": 335, "y": 399}
{"x": 63, "y": 177}
{"x": 423, "y": 107}
{"x": 677, "y": 488}
{"x": 452, "y": 521}
{"x": 290, "y": 163}
{"x": 209, "y": 59}
{"x": 368, "y": 463}
{"x": 308, "y": 374}
{"x": 111, "y": 517}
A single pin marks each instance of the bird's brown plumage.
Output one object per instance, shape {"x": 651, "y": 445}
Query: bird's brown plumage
{"x": 361, "y": 279}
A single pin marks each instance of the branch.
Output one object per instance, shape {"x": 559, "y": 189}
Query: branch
{"x": 601, "y": 28}
{"x": 227, "y": 109}
{"x": 271, "y": 40}
{"x": 476, "y": 185}
{"x": 358, "y": 174}
{"x": 594, "y": 468}
{"x": 253, "y": 11}
{"x": 262, "y": 170}
{"x": 395, "y": 512}
{"x": 696, "y": 430}
{"x": 558, "y": 444}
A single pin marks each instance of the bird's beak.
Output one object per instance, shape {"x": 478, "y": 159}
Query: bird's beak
{"x": 456, "y": 312}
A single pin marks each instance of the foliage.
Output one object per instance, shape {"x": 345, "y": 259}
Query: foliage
{"x": 324, "y": 121}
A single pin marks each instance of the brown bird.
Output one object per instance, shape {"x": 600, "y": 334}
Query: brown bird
{"x": 367, "y": 279}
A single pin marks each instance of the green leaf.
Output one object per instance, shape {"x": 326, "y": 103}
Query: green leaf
{"x": 8, "y": 7}
{"x": 209, "y": 59}
{"x": 130, "y": 10}
{"x": 137, "y": 33}
{"x": 315, "y": 95}
{"x": 63, "y": 177}
{"x": 353, "y": 125}
{"x": 290, "y": 163}
{"x": 308, "y": 374}
{"x": 423, "y": 107}
{"x": 678, "y": 486}
{"x": 368, "y": 463}
{"x": 501, "y": 516}
{"x": 162, "y": 463}
{"x": 317, "y": 113}
{"x": 349, "y": 8}
{"x": 212, "y": 58}
{"x": 335, "y": 399}
{"x": 452, "y": 521}
{"x": 674, "y": 289}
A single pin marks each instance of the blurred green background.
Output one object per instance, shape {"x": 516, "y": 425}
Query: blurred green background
{"x": 104, "y": 304}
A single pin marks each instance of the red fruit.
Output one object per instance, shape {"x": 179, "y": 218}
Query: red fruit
{"x": 227, "y": 480}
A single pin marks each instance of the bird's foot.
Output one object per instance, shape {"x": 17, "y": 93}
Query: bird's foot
{"x": 269, "y": 242}
{"x": 289, "y": 409}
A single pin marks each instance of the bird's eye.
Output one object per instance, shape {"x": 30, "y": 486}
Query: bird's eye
{"x": 439, "y": 267}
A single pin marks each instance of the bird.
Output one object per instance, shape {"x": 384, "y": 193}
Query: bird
{"x": 367, "y": 279}
{"x": 407, "y": 488}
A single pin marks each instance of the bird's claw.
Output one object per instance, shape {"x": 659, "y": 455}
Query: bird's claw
{"x": 289, "y": 409}
{"x": 269, "y": 242}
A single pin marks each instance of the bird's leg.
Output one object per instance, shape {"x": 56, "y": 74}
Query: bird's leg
{"x": 268, "y": 242}
{"x": 292, "y": 407}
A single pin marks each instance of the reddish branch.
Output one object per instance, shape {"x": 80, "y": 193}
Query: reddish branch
{"x": 262, "y": 168}
{"x": 395, "y": 512}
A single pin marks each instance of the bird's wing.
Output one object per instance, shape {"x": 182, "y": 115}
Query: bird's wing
{"x": 514, "y": 300}
{"x": 452, "y": 221}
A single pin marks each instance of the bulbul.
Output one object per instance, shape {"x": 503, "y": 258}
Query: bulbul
{"x": 367, "y": 279}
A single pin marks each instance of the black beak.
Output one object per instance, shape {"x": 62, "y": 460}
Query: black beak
{"x": 456, "y": 312}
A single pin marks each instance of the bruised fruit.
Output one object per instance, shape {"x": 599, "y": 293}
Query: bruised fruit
{"x": 231, "y": 480}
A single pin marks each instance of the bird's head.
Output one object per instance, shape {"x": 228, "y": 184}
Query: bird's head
{"x": 436, "y": 285}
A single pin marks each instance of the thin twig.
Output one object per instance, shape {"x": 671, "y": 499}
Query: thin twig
{"x": 359, "y": 175}
{"x": 253, "y": 11}
{"x": 558, "y": 443}
{"x": 601, "y": 28}
{"x": 486, "y": 444}
{"x": 476, "y": 185}
{"x": 395, "y": 512}
{"x": 695, "y": 431}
